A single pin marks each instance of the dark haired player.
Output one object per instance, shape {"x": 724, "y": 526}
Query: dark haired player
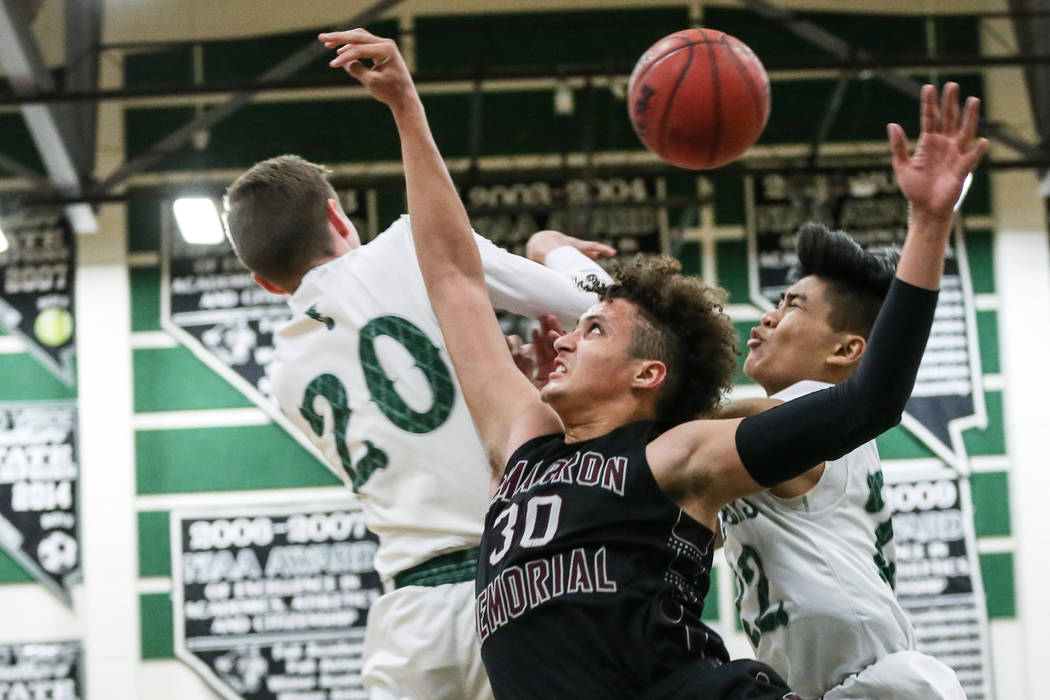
{"x": 597, "y": 547}
{"x": 813, "y": 556}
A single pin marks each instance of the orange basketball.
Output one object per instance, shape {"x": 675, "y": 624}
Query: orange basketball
{"x": 698, "y": 98}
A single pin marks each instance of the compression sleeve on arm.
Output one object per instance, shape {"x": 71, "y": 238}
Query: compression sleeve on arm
{"x": 527, "y": 288}
{"x": 787, "y": 440}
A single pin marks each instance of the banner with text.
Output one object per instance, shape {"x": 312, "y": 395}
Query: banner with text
{"x": 39, "y": 492}
{"x": 41, "y": 670}
{"x": 624, "y": 212}
{"x": 37, "y": 285}
{"x": 272, "y": 602}
{"x": 948, "y": 397}
{"x": 938, "y": 572}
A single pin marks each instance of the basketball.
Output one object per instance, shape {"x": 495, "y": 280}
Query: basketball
{"x": 698, "y": 98}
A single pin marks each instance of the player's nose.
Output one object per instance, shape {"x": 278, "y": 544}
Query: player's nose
{"x": 566, "y": 341}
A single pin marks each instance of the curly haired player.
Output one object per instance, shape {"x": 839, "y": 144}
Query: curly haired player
{"x": 597, "y": 547}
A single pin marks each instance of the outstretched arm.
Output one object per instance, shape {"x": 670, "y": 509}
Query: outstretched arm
{"x": 505, "y": 407}
{"x": 727, "y": 459}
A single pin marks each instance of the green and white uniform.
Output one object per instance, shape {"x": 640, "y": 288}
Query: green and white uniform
{"x": 814, "y": 579}
{"x": 362, "y": 369}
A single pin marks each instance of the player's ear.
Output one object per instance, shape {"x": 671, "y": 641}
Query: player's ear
{"x": 268, "y": 285}
{"x": 848, "y": 351}
{"x": 650, "y": 374}
{"x": 341, "y": 223}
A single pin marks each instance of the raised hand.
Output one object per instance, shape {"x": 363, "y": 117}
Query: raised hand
{"x": 932, "y": 177}
{"x": 543, "y": 348}
{"x": 543, "y": 242}
{"x": 388, "y": 80}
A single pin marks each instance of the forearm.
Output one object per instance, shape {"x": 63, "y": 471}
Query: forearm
{"x": 922, "y": 256}
{"x": 785, "y": 441}
{"x": 574, "y": 264}
{"x": 447, "y": 250}
{"x": 529, "y": 289}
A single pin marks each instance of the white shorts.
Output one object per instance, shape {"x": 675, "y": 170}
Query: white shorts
{"x": 421, "y": 645}
{"x": 904, "y": 675}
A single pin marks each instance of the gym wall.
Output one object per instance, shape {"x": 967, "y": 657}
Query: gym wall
{"x": 161, "y": 430}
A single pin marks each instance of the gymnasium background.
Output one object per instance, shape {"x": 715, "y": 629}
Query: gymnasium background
{"x": 517, "y": 93}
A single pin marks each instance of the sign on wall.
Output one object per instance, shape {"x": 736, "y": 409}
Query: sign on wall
{"x": 33, "y": 670}
{"x": 37, "y": 285}
{"x": 39, "y": 492}
{"x": 272, "y": 602}
{"x": 949, "y": 396}
{"x": 624, "y": 212}
{"x": 938, "y": 582}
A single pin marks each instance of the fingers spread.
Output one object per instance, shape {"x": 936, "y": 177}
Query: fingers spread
{"x": 928, "y": 117}
{"x": 975, "y": 155}
{"x": 357, "y": 69}
{"x": 968, "y": 127}
{"x": 949, "y": 108}
{"x": 348, "y": 36}
{"x": 898, "y": 143}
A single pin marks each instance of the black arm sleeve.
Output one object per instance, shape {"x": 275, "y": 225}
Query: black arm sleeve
{"x": 787, "y": 440}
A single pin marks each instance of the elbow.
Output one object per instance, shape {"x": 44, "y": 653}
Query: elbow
{"x": 879, "y": 421}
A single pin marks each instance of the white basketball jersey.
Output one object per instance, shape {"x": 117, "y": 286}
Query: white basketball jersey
{"x": 814, "y": 573}
{"x": 362, "y": 369}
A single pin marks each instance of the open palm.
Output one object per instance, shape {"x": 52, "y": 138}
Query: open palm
{"x": 932, "y": 177}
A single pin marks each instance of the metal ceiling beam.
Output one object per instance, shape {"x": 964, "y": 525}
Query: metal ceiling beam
{"x": 27, "y": 73}
{"x": 423, "y": 76}
{"x": 209, "y": 118}
{"x": 847, "y": 52}
{"x": 83, "y": 38}
{"x": 1032, "y": 35}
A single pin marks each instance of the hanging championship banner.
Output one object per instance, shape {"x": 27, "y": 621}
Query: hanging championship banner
{"x": 39, "y": 486}
{"x": 210, "y": 303}
{"x": 949, "y": 396}
{"x": 938, "y": 572}
{"x": 33, "y": 670}
{"x": 623, "y": 212}
{"x": 36, "y": 287}
{"x": 272, "y": 602}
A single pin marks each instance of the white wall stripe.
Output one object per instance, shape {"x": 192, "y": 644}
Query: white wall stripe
{"x": 995, "y": 545}
{"x": 11, "y": 345}
{"x": 986, "y": 302}
{"x": 144, "y": 258}
{"x": 153, "y": 584}
{"x": 232, "y": 499}
{"x": 152, "y": 340}
{"x": 990, "y": 463}
{"x": 210, "y": 418}
{"x": 993, "y": 382}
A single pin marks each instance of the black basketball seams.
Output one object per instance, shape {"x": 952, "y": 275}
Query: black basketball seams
{"x": 716, "y": 100}
{"x": 664, "y": 55}
{"x": 670, "y": 99}
{"x": 742, "y": 70}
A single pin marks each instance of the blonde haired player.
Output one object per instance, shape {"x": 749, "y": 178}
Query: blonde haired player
{"x": 362, "y": 369}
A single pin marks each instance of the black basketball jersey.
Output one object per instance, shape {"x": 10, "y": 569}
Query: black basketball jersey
{"x": 591, "y": 581}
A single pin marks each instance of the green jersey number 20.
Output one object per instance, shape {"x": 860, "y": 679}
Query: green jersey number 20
{"x": 383, "y": 392}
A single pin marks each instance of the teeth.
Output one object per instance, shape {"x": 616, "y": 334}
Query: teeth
{"x": 560, "y": 369}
